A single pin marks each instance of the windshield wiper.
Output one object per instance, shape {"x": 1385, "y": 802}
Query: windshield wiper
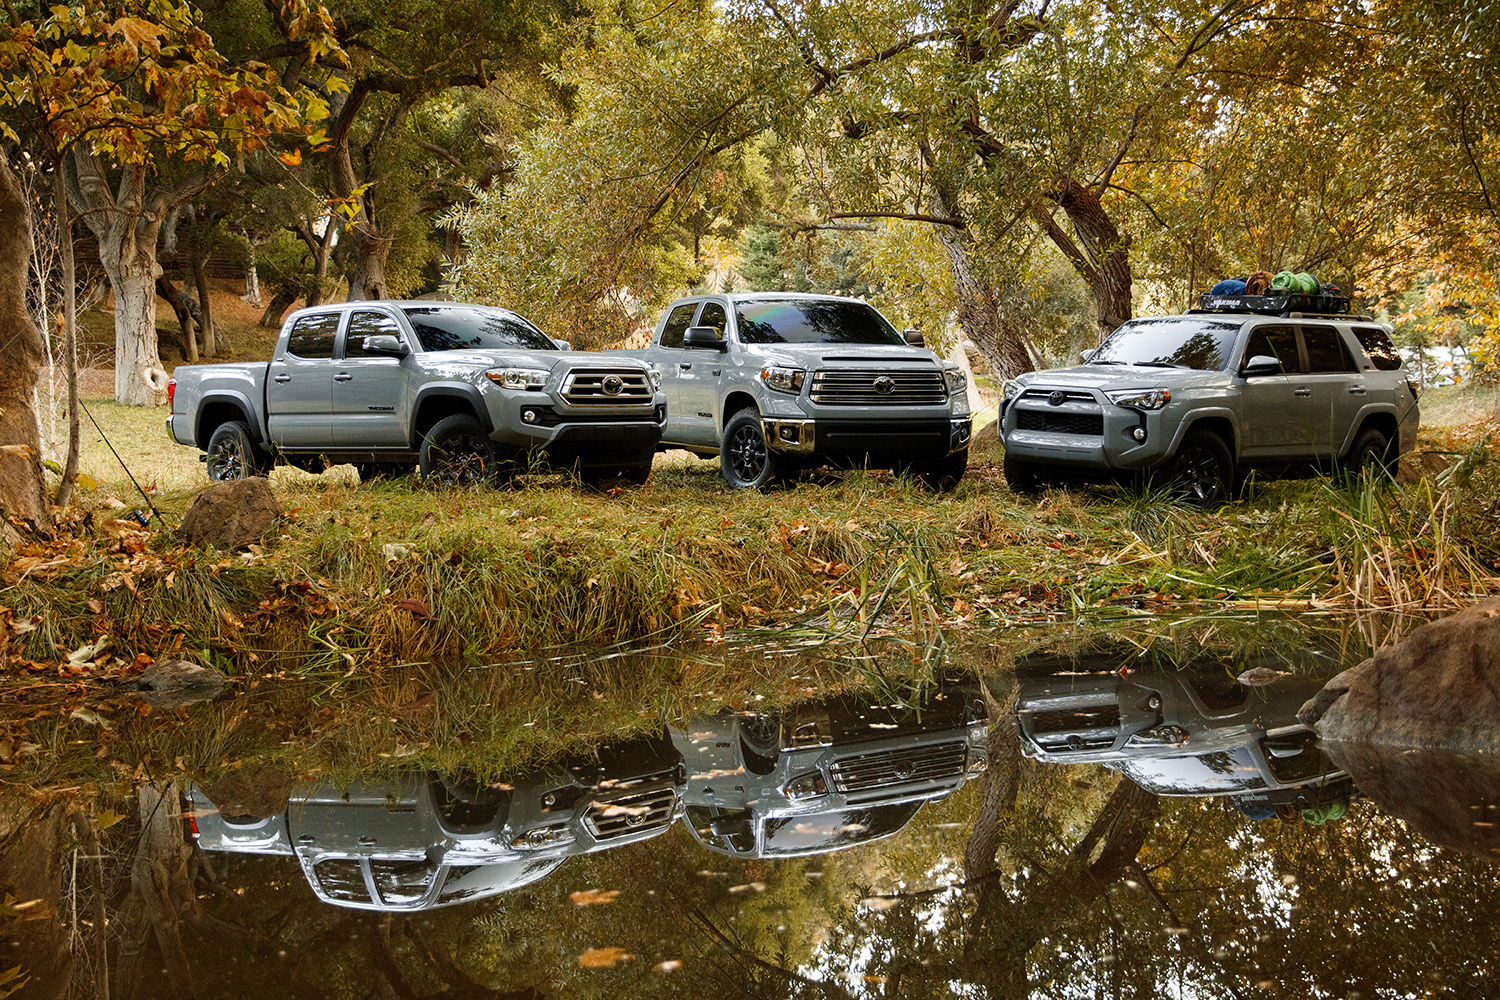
{"x": 1159, "y": 364}
{"x": 1105, "y": 362}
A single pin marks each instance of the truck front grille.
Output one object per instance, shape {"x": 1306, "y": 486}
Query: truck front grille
{"x": 902, "y": 766}
{"x": 1060, "y": 422}
{"x": 888, "y": 387}
{"x": 607, "y": 387}
{"x": 632, "y": 814}
{"x": 1075, "y": 720}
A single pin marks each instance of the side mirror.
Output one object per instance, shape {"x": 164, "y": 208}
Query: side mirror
{"x": 563, "y": 345}
{"x": 1261, "y": 364}
{"x": 1088, "y": 354}
{"x": 703, "y": 338}
{"x": 387, "y": 344}
{"x": 914, "y": 338}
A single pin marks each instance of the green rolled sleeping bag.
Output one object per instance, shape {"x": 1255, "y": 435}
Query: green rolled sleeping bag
{"x": 1287, "y": 281}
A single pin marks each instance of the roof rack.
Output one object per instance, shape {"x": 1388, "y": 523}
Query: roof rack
{"x": 1280, "y": 303}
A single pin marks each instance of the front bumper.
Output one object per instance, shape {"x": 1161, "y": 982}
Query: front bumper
{"x": 586, "y": 438}
{"x": 1084, "y": 430}
{"x": 867, "y": 441}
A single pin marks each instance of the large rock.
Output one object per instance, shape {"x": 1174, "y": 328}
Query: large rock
{"x": 1450, "y": 798}
{"x": 231, "y": 515}
{"x": 175, "y": 683}
{"x": 1440, "y": 689}
{"x": 257, "y": 790}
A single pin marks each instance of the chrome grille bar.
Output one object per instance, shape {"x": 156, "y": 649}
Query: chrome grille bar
{"x": 886, "y": 387}
{"x": 607, "y": 387}
{"x": 902, "y": 766}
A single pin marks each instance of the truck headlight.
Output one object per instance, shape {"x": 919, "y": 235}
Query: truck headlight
{"x": 1141, "y": 399}
{"x": 955, "y": 379}
{"x": 1010, "y": 389}
{"x": 655, "y": 379}
{"x": 783, "y": 379}
{"x": 805, "y": 786}
{"x": 519, "y": 378}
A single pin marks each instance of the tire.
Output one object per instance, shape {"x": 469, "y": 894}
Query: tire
{"x": 942, "y": 476}
{"x": 760, "y": 741}
{"x": 371, "y": 471}
{"x": 744, "y": 460}
{"x": 1371, "y": 450}
{"x": 603, "y": 479}
{"x": 232, "y": 454}
{"x": 457, "y": 452}
{"x": 1023, "y": 477}
{"x": 1202, "y": 471}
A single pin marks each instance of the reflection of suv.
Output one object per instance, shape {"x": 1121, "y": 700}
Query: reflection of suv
{"x": 825, "y": 776}
{"x": 421, "y": 841}
{"x": 1206, "y": 395}
{"x": 1174, "y": 732}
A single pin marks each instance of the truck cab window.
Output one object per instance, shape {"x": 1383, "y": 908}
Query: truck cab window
{"x": 677, "y": 324}
{"x": 713, "y": 315}
{"x": 367, "y": 324}
{"x": 313, "y": 336}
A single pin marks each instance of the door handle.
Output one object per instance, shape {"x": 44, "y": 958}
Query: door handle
{"x": 1302, "y": 391}
{"x": 342, "y": 377}
{"x": 685, "y": 366}
{"x": 282, "y": 378}
{"x": 1356, "y": 390}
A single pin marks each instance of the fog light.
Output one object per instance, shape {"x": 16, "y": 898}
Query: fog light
{"x": 1139, "y": 433}
{"x": 789, "y": 433}
{"x": 528, "y": 416}
{"x": 661, "y": 414}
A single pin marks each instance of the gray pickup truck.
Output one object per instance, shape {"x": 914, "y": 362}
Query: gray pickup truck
{"x": 467, "y": 393}
{"x": 776, "y": 382}
{"x": 1257, "y": 382}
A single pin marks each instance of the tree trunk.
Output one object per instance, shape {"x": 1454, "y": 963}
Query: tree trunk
{"x": 205, "y": 305}
{"x": 127, "y": 223}
{"x": 252, "y": 280}
{"x": 371, "y": 250}
{"x": 182, "y": 307}
{"x": 22, "y": 493}
{"x": 70, "y": 331}
{"x": 280, "y": 303}
{"x": 1100, "y": 254}
{"x": 979, "y": 311}
{"x": 31, "y": 869}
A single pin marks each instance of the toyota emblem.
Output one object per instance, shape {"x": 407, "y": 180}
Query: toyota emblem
{"x": 885, "y": 385}
{"x": 1056, "y": 399}
{"x": 613, "y": 385}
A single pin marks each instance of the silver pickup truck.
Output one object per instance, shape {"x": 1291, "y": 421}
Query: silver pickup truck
{"x": 468, "y": 393}
{"x": 775, "y": 382}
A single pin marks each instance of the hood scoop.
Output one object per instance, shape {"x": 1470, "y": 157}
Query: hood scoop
{"x": 872, "y": 359}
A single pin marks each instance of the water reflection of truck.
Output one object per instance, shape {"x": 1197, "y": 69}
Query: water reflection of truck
{"x": 1193, "y": 731}
{"x": 423, "y": 840}
{"x": 826, "y": 776}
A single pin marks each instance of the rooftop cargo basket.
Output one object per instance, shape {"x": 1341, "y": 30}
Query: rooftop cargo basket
{"x": 1275, "y": 303}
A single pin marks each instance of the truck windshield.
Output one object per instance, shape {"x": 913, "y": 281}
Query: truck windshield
{"x": 464, "y": 328}
{"x": 1171, "y": 342}
{"x": 813, "y": 321}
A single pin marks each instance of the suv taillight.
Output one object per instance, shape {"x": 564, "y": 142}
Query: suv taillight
{"x": 171, "y": 390}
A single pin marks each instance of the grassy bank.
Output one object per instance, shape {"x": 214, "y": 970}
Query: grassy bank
{"x": 367, "y": 575}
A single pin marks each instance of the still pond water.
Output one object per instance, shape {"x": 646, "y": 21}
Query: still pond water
{"x": 1088, "y": 820}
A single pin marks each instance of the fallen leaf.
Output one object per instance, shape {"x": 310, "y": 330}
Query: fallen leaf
{"x": 594, "y": 897}
{"x": 418, "y": 608}
{"x": 670, "y": 965}
{"x": 604, "y": 958}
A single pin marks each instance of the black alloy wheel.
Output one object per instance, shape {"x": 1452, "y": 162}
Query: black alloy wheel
{"x": 745, "y": 461}
{"x": 1203, "y": 471}
{"x": 457, "y": 452}
{"x": 231, "y": 453}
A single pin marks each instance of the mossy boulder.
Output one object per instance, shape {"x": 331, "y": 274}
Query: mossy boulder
{"x": 231, "y": 515}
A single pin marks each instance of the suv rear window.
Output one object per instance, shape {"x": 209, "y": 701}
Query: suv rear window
{"x": 1377, "y": 344}
{"x": 1325, "y": 350}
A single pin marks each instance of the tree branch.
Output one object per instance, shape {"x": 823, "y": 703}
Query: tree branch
{"x": 936, "y": 220}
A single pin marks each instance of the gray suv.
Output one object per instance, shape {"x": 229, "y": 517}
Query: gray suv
{"x": 1244, "y": 382}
